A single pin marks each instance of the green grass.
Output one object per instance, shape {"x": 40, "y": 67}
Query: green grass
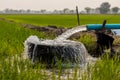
{"x": 105, "y": 69}
{"x": 44, "y": 20}
{"x": 62, "y": 20}
{"x": 12, "y": 64}
{"x": 89, "y": 41}
{"x": 12, "y": 36}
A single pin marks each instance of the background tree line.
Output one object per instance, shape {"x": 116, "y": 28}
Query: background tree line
{"x": 104, "y": 8}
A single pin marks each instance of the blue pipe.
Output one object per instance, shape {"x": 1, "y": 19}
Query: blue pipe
{"x": 99, "y": 26}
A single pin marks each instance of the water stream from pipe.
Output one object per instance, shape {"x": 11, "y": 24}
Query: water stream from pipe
{"x": 70, "y": 32}
{"x": 72, "y": 50}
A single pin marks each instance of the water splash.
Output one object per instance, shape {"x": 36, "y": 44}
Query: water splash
{"x": 70, "y": 32}
{"x": 72, "y": 51}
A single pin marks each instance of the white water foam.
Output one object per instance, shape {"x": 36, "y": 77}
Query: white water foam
{"x": 70, "y": 32}
{"x": 62, "y": 41}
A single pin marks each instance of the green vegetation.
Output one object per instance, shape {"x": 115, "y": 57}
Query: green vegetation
{"x": 88, "y": 41}
{"x": 12, "y": 37}
{"x": 105, "y": 69}
{"x": 61, "y": 20}
{"x": 14, "y": 67}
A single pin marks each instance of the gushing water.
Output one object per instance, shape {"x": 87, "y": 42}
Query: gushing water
{"x": 59, "y": 48}
{"x": 70, "y": 32}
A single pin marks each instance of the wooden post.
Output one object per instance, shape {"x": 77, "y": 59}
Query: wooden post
{"x": 77, "y": 16}
{"x": 103, "y": 25}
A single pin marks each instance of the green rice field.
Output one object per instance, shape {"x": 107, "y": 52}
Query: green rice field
{"x": 12, "y": 36}
{"x": 62, "y": 20}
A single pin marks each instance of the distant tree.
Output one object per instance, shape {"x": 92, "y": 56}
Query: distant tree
{"x": 43, "y": 11}
{"x": 104, "y": 7}
{"x": 65, "y": 10}
{"x": 6, "y": 10}
{"x": 72, "y": 11}
{"x": 56, "y": 11}
{"x": 11, "y": 11}
{"x": 28, "y": 10}
{"x": 21, "y": 11}
{"x": 88, "y": 10}
{"x": 16, "y": 11}
{"x": 97, "y": 10}
{"x": 115, "y": 9}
